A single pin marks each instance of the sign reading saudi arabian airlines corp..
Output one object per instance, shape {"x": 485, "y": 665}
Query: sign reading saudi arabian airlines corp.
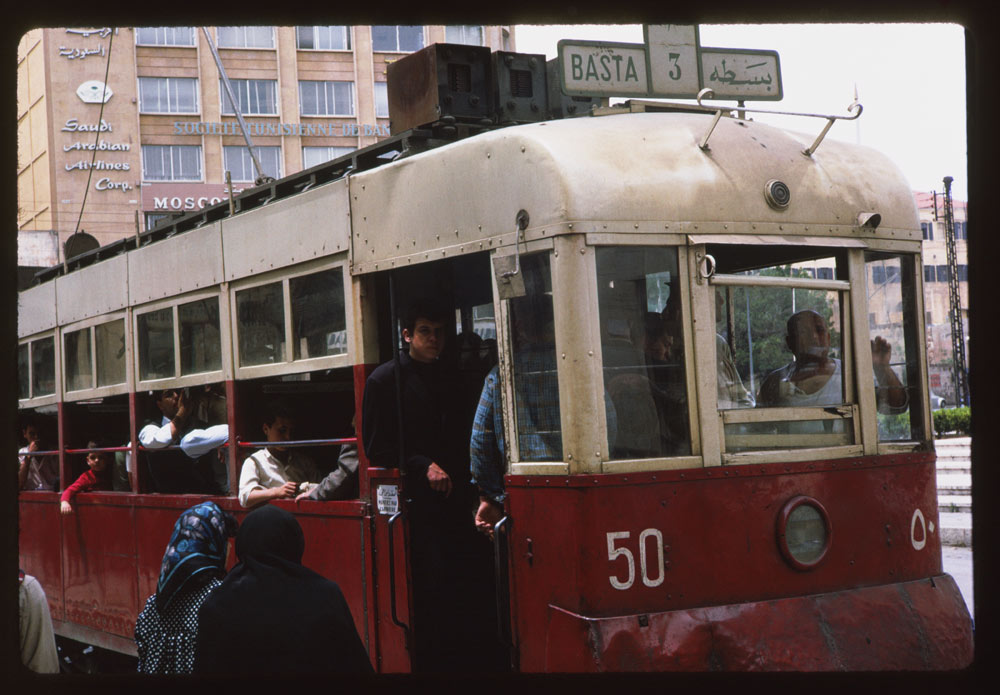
{"x": 671, "y": 63}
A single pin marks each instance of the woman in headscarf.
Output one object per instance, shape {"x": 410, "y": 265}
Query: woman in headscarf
{"x": 273, "y": 616}
{"x": 193, "y": 567}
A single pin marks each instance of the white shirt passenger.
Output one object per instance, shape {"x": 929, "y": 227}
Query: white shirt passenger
{"x": 262, "y": 471}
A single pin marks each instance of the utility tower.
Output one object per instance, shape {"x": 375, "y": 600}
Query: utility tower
{"x": 955, "y": 302}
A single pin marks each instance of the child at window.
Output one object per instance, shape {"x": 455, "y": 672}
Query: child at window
{"x": 97, "y": 477}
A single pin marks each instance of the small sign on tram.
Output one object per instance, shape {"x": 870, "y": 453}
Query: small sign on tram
{"x": 388, "y": 499}
{"x": 671, "y": 63}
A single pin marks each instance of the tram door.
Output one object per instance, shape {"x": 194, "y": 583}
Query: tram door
{"x": 411, "y": 567}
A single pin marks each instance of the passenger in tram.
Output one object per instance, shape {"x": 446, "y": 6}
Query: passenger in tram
{"x": 193, "y": 566}
{"x": 36, "y": 472}
{"x": 814, "y": 378}
{"x": 732, "y": 392}
{"x": 38, "y": 640}
{"x": 342, "y": 482}
{"x": 96, "y": 477}
{"x": 273, "y": 616}
{"x": 276, "y": 472}
{"x": 196, "y": 467}
{"x": 454, "y": 610}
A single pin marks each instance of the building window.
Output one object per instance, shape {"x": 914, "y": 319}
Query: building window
{"x": 397, "y": 38}
{"x": 381, "y": 100}
{"x": 154, "y": 218}
{"x": 824, "y": 273}
{"x": 928, "y": 229}
{"x": 171, "y": 162}
{"x": 963, "y": 273}
{"x": 929, "y": 275}
{"x": 168, "y": 95}
{"x": 960, "y": 232}
{"x": 254, "y": 97}
{"x": 326, "y": 98}
{"x": 334, "y": 38}
{"x": 506, "y": 38}
{"x": 245, "y": 37}
{"x": 313, "y": 156}
{"x": 164, "y": 36}
{"x": 240, "y": 165}
{"x": 469, "y": 34}
{"x": 942, "y": 273}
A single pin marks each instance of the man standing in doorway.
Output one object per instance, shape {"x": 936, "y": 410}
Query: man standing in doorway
{"x": 450, "y": 563}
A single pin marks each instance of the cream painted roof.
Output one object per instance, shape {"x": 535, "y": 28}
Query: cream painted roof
{"x": 628, "y": 168}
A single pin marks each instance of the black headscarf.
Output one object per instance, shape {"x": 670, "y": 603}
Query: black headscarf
{"x": 273, "y": 616}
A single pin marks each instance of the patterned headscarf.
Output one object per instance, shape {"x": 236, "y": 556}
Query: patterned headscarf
{"x": 197, "y": 548}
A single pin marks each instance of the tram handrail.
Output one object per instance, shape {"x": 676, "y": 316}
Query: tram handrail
{"x": 392, "y": 577}
{"x": 500, "y": 557}
{"x": 298, "y": 442}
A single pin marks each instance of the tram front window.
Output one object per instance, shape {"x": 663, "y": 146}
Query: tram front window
{"x": 892, "y": 317}
{"x": 642, "y": 343}
{"x": 536, "y": 385}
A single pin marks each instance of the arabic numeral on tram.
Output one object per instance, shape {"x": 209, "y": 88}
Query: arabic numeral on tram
{"x": 645, "y": 566}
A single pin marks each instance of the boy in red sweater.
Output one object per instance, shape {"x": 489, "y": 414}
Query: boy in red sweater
{"x": 97, "y": 478}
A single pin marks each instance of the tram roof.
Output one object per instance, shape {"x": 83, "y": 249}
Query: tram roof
{"x": 628, "y": 173}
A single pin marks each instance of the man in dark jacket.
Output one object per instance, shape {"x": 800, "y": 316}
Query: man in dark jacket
{"x": 451, "y": 563}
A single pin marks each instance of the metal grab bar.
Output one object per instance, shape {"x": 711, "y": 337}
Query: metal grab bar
{"x": 298, "y": 442}
{"x": 392, "y": 577}
{"x": 99, "y": 449}
{"x": 501, "y": 554}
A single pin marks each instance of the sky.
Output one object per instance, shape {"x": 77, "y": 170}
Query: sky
{"x": 910, "y": 79}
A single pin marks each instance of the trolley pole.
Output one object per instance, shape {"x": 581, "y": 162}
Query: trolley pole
{"x": 955, "y": 302}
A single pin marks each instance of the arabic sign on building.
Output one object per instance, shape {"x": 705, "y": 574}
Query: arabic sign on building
{"x": 671, "y": 63}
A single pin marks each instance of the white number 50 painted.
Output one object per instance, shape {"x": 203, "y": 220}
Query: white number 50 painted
{"x": 614, "y": 553}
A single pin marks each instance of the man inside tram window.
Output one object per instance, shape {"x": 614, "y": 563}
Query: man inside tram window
{"x": 815, "y": 378}
{"x": 196, "y": 467}
{"x": 276, "y": 472}
{"x": 36, "y": 472}
{"x": 453, "y": 600}
{"x": 669, "y": 387}
{"x": 96, "y": 477}
{"x": 342, "y": 482}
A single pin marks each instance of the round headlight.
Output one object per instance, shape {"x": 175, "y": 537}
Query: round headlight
{"x": 804, "y": 532}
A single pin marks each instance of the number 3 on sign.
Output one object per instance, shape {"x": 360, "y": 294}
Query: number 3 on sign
{"x": 644, "y": 565}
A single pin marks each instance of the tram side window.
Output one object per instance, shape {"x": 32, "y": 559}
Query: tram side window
{"x": 109, "y": 343}
{"x": 201, "y": 342}
{"x": 642, "y": 346}
{"x": 892, "y": 317}
{"x": 260, "y": 313}
{"x": 77, "y": 359}
{"x": 156, "y": 344}
{"x": 43, "y": 367}
{"x": 536, "y": 384}
{"x": 319, "y": 321}
{"x": 23, "y": 371}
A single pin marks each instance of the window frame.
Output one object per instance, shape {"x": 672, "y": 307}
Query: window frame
{"x": 96, "y": 391}
{"x": 197, "y": 96}
{"x": 381, "y": 88}
{"x": 290, "y": 365}
{"x": 194, "y": 38}
{"x": 235, "y": 83}
{"x": 177, "y": 380}
{"x": 464, "y": 28}
{"x": 348, "y": 35}
{"x": 219, "y": 43}
{"x": 33, "y": 401}
{"x": 352, "y": 101}
{"x": 257, "y": 148}
{"x": 201, "y": 163}
{"x": 318, "y": 147}
{"x": 397, "y": 49}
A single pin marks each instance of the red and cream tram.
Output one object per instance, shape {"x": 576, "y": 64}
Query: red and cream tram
{"x": 698, "y": 526}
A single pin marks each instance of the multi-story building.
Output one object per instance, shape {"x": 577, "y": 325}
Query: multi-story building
{"x": 119, "y": 127}
{"x": 940, "y": 355}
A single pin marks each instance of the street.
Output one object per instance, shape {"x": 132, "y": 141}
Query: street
{"x": 957, "y": 562}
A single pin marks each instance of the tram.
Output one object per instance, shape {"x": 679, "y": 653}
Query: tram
{"x": 702, "y": 524}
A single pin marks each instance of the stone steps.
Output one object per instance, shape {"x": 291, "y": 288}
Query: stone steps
{"x": 954, "y": 487}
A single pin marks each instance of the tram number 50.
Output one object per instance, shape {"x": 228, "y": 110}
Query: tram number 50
{"x": 646, "y": 567}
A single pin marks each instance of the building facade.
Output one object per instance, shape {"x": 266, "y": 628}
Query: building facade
{"x": 937, "y": 307}
{"x": 120, "y": 127}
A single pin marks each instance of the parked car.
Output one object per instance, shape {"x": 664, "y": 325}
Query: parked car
{"x": 937, "y": 402}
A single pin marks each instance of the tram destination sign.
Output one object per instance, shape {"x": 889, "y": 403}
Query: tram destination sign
{"x": 670, "y": 64}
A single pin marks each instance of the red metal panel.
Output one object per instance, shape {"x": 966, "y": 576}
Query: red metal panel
{"x": 915, "y": 625}
{"x": 39, "y": 542}
{"x": 361, "y": 374}
{"x": 573, "y": 538}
